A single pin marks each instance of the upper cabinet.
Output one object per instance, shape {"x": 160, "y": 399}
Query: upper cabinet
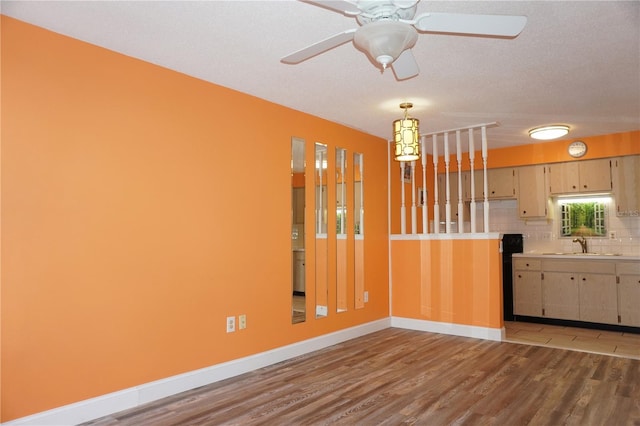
{"x": 453, "y": 196}
{"x": 532, "y": 194}
{"x": 501, "y": 184}
{"x": 625, "y": 176}
{"x": 580, "y": 176}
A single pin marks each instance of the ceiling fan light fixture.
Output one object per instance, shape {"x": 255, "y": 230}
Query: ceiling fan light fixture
{"x": 406, "y": 136}
{"x": 385, "y": 40}
{"x": 546, "y": 133}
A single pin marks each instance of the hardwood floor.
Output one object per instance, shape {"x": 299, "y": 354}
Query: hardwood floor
{"x": 398, "y": 376}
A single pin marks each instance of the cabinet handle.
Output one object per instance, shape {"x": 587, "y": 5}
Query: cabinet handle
{"x": 572, "y": 278}
{"x": 584, "y": 279}
{"x": 585, "y": 186}
{"x": 519, "y": 276}
{"x": 573, "y": 186}
{"x": 493, "y": 192}
{"x": 524, "y": 212}
{"x": 527, "y": 265}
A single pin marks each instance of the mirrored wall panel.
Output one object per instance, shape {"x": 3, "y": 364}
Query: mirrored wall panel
{"x": 321, "y": 264}
{"x": 297, "y": 230}
{"x": 358, "y": 228}
{"x": 341, "y": 230}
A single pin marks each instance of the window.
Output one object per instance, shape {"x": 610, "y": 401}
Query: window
{"x": 583, "y": 217}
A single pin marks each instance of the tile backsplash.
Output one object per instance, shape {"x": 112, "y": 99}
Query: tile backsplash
{"x": 543, "y": 235}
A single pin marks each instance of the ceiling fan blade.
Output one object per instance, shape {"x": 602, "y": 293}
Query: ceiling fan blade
{"x": 488, "y": 25}
{"x": 319, "y": 47}
{"x": 405, "y": 66}
{"x": 341, "y": 6}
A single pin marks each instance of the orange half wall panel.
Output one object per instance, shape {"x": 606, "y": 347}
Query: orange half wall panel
{"x": 453, "y": 281}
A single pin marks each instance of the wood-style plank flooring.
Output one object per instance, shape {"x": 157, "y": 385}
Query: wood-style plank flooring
{"x": 398, "y": 376}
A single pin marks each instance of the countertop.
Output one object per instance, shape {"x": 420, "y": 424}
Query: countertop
{"x": 590, "y": 256}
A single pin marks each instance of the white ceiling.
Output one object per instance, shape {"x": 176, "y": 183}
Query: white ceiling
{"x": 576, "y": 62}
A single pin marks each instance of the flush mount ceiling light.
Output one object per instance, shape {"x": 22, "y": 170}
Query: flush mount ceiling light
{"x": 546, "y": 133}
{"x": 406, "y": 136}
{"x": 385, "y": 40}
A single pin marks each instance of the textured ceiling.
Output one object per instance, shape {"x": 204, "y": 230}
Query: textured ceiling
{"x": 576, "y": 62}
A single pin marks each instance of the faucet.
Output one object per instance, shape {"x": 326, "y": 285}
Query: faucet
{"x": 583, "y": 243}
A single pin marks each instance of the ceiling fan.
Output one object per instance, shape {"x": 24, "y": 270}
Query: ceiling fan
{"x": 389, "y": 29}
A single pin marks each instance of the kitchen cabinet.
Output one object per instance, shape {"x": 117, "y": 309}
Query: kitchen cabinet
{"x": 501, "y": 184}
{"x": 625, "y": 177}
{"x": 628, "y": 277}
{"x": 527, "y": 288}
{"x": 580, "y": 176}
{"x": 453, "y": 197}
{"x": 298, "y": 205}
{"x": 298, "y": 271}
{"x": 532, "y": 192}
{"x": 598, "y": 298}
{"x": 478, "y": 185}
{"x": 560, "y": 295}
{"x": 579, "y": 289}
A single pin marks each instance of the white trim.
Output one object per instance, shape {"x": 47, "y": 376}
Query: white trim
{"x": 451, "y": 236}
{"x": 496, "y": 334}
{"x": 128, "y": 398}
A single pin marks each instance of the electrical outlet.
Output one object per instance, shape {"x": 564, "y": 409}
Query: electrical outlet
{"x": 242, "y": 322}
{"x": 612, "y": 235}
{"x": 366, "y": 296}
{"x": 231, "y": 324}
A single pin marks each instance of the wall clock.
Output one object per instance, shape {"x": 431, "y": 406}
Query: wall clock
{"x": 577, "y": 149}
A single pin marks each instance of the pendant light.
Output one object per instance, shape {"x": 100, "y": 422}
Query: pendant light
{"x": 406, "y": 136}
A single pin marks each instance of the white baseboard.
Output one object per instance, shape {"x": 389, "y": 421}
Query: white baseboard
{"x": 496, "y": 334}
{"x": 128, "y": 398}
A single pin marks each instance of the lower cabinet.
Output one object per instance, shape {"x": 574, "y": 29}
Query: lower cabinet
{"x": 629, "y": 293}
{"x": 561, "y": 295}
{"x": 527, "y": 293}
{"x": 598, "y": 298}
{"x": 598, "y": 291}
{"x": 298, "y": 271}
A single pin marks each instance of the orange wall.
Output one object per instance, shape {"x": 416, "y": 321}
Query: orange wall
{"x": 129, "y": 232}
{"x": 450, "y": 281}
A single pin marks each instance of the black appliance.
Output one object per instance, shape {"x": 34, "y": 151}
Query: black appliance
{"x": 511, "y": 243}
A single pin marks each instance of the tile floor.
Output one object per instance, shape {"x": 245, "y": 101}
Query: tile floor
{"x": 626, "y": 345}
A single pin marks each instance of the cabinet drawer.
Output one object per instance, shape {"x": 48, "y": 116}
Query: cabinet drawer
{"x": 526, "y": 264}
{"x": 628, "y": 268}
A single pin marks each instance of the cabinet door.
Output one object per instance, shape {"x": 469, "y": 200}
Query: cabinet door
{"x": 564, "y": 178}
{"x": 625, "y": 176}
{"x": 595, "y": 175}
{"x": 453, "y": 197}
{"x": 598, "y": 298}
{"x": 298, "y": 205}
{"x": 629, "y": 300}
{"x": 527, "y": 293}
{"x": 298, "y": 272}
{"x": 532, "y": 195}
{"x": 501, "y": 183}
{"x": 478, "y": 186}
{"x": 560, "y": 295}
